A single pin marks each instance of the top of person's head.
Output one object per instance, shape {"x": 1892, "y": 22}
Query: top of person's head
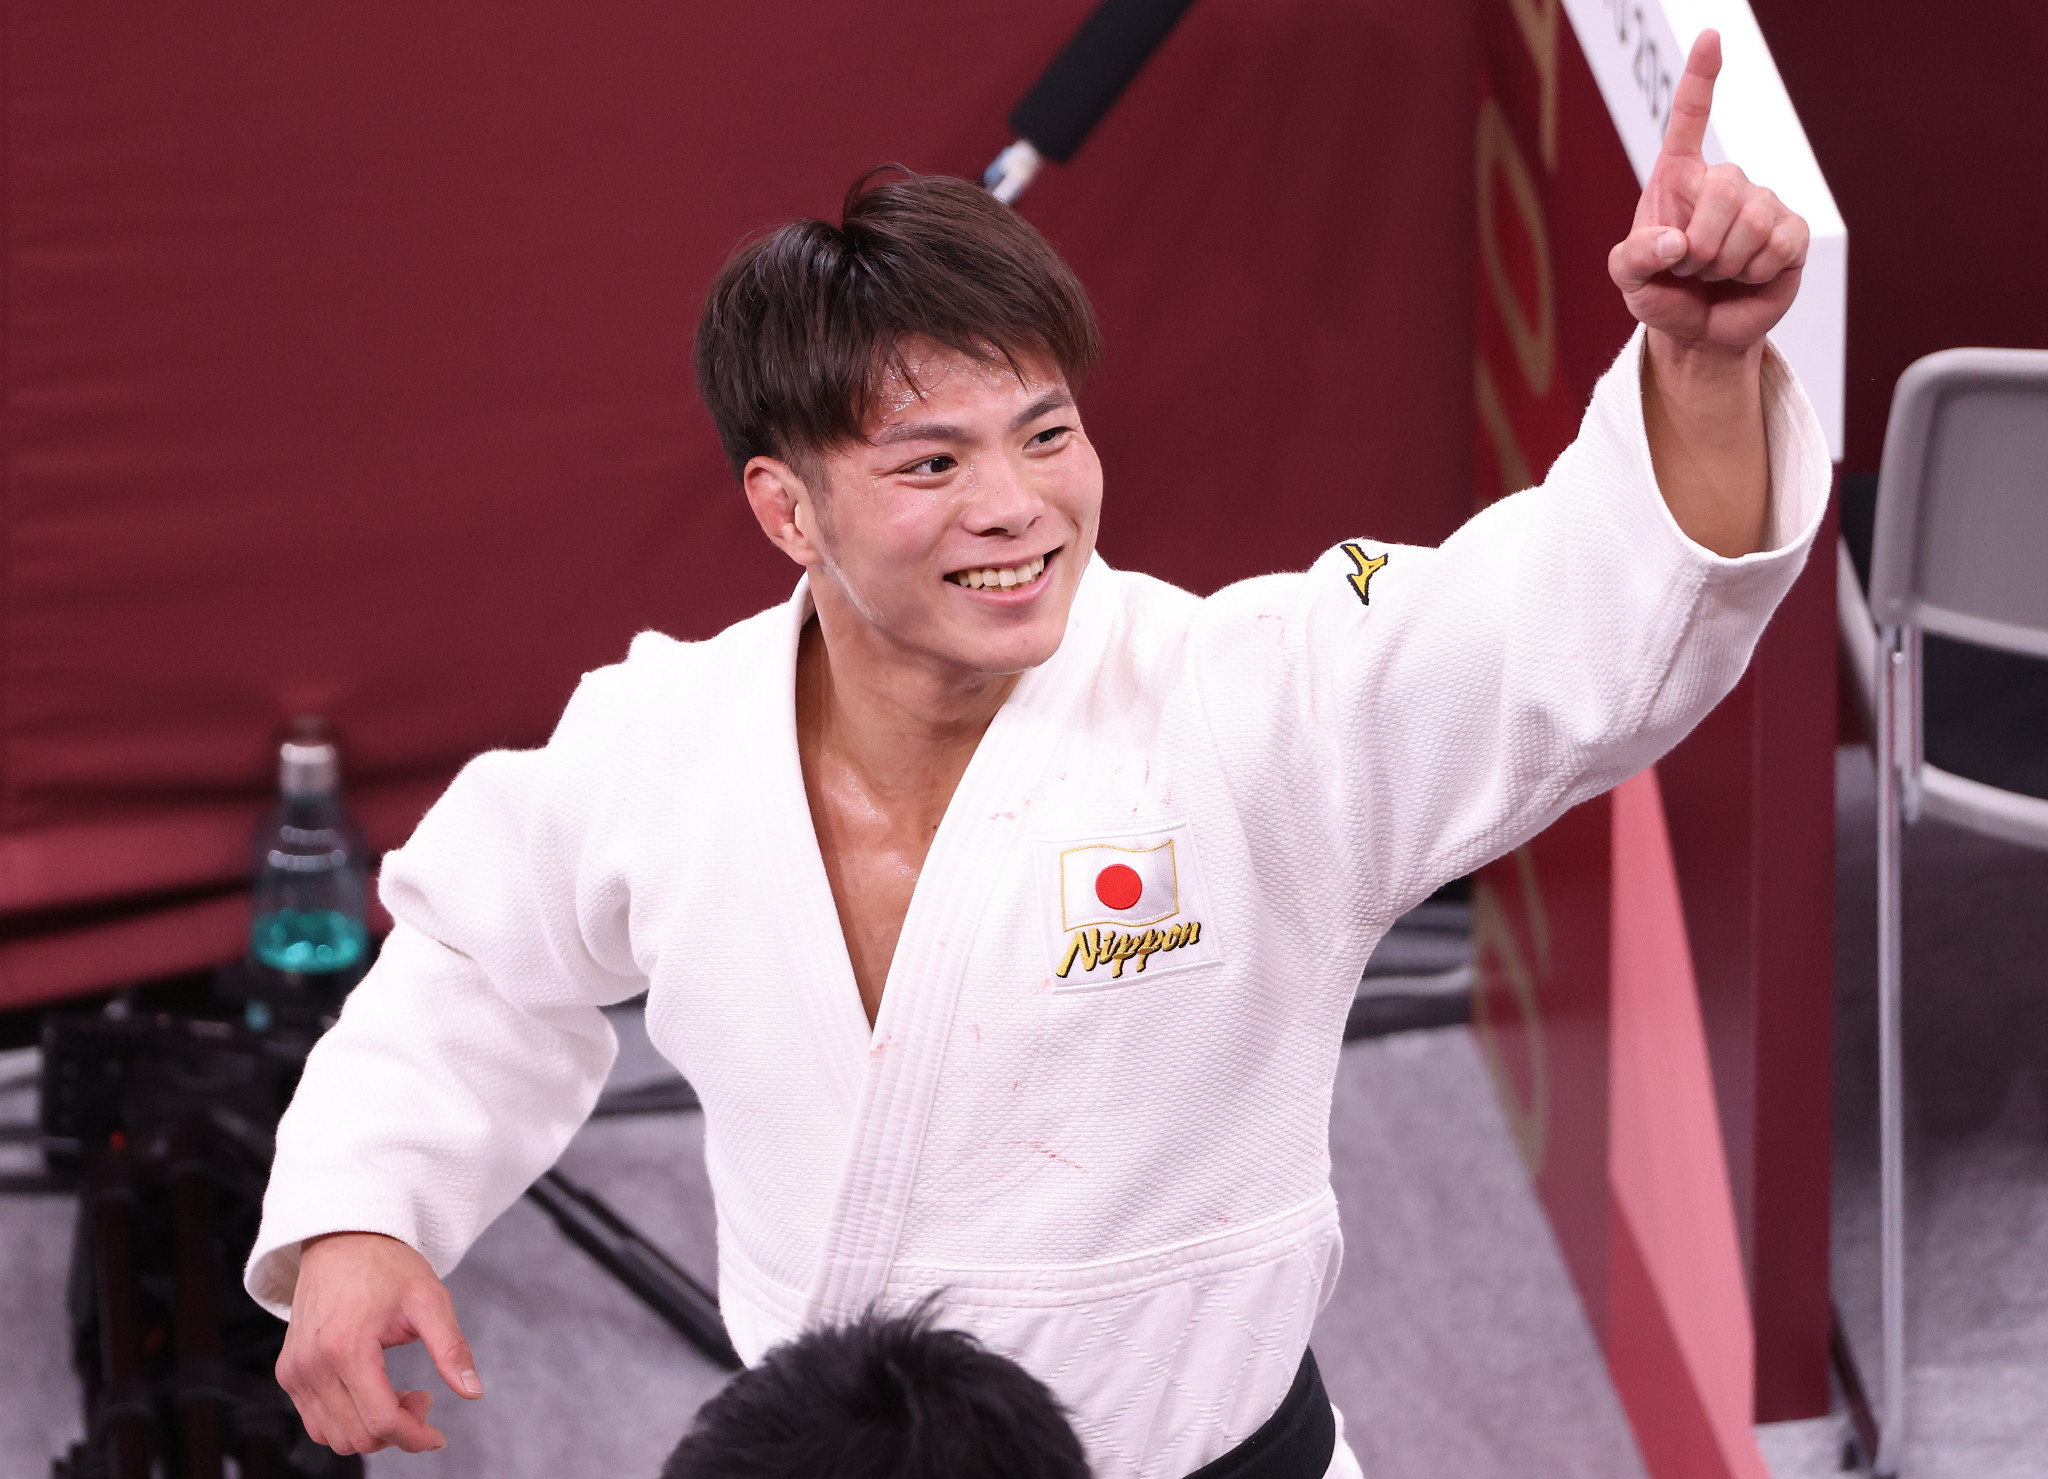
{"x": 881, "y": 1399}
{"x": 803, "y": 324}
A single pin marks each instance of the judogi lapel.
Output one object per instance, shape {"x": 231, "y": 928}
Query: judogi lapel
{"x": 984, "y": 831}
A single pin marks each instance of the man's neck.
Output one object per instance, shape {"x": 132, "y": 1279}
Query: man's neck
{"x": 884, "y": 743}
{"x": 904, "y": 727}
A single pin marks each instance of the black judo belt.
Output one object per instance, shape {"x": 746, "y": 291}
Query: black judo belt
{"x": 1296, "y": 1442}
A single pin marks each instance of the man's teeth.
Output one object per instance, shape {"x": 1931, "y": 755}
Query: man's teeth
{"x": 1022, "y": 574}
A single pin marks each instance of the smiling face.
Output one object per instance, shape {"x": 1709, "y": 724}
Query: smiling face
{"x": 951, "y": 539}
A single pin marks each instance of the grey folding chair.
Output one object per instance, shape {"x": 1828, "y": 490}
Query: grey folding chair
{"x": 1960, "y": 550}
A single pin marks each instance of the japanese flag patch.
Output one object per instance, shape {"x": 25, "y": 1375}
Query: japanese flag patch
{"x": 1123, "y": 909}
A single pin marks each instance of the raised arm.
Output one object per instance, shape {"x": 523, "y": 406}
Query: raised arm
{"x": 1437, "y": 707}
{"x": 1710, "y": 264}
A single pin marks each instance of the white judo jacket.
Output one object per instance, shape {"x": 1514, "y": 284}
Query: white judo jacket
{"x": 1094, "y": 1108}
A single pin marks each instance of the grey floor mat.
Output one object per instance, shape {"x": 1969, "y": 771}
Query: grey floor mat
{"x": 1976, "y": 1012}
{"x": 38, "y": 1395}
{"x": 1455, "y": 1344}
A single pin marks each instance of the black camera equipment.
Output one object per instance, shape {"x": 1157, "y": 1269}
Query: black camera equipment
{"x": 164, "y": 1125}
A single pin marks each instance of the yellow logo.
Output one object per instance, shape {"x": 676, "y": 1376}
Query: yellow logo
{"x": 1106, "y": 947}
{"x": 1367, "y": 569}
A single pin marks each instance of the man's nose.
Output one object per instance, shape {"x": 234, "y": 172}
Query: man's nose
{"x": 1004, "y": 501}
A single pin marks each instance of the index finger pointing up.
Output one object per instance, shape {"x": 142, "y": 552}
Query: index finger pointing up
{"x": 1693, "y": 98}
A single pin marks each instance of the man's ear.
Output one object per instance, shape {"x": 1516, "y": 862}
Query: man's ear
{"x": 786, "y": 506}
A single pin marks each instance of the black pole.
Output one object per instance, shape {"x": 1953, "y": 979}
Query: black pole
{"x": 663, "y": 1285}
{"x": 1091, "y": 73}
{"x": 1083, "y": 83}
{"x": 123, "y": 1407}
{"x": 198, "y": 1329}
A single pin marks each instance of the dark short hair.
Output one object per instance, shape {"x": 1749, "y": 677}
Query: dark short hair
{"x": 881, "y": 1399}
{"x": 803, "y": 323}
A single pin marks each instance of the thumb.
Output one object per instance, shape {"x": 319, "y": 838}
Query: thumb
{"x": 443, "y": 1339}
{"x": 1643, "y": 253}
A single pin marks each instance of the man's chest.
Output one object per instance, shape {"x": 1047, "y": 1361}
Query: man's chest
{"x": 871, "y": 864}
{"x": 1065, "y": 950}
{"x": 1105, "y": 822}
{"x": 1109, "y": 869}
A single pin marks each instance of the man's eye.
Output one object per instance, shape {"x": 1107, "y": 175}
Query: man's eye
{"x": 932, "y": 466}
{"x": 1047, "y": 437}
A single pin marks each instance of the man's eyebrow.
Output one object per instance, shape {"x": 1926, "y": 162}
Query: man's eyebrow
{"x": 1052, "y": 400}
{"x": 920, "y": 431}
{"x": 943, "y": 431}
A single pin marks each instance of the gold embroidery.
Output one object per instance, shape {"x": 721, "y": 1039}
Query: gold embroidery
{"x": 1097, "y": 947}
{"x": 1082, "y": 944}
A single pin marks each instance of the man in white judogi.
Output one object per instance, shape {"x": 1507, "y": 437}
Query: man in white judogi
{"x": 1003, "y": 908}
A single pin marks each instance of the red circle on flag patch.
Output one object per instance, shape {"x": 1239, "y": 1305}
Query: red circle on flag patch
{"x": 1119, "y": 886}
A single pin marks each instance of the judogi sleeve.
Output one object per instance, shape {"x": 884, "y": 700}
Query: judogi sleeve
{"x": 1415, "y": 712}
{"x": 475, "y": 1046}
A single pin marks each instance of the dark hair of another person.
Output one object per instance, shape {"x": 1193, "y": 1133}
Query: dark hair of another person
{"x": 881, "y": 1399}
{"x": 803, "y": 324}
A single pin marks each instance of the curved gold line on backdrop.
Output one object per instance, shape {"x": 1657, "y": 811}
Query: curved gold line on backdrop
{"x": 1537, "y": 21}
{"x": 1493, "y": 939}
{"x": 1500, "y": 432}
{"x": 1535, "y": 343}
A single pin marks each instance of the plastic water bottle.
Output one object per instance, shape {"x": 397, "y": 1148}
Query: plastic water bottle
{"x": 310, "y": 869}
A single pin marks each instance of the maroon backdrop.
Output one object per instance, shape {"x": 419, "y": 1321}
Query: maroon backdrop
{"x": 347, "y": 366}
{"x": 1927, "y": 121}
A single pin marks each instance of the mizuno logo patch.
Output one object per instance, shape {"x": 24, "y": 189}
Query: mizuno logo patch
{"x": 1361, "y": 578}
